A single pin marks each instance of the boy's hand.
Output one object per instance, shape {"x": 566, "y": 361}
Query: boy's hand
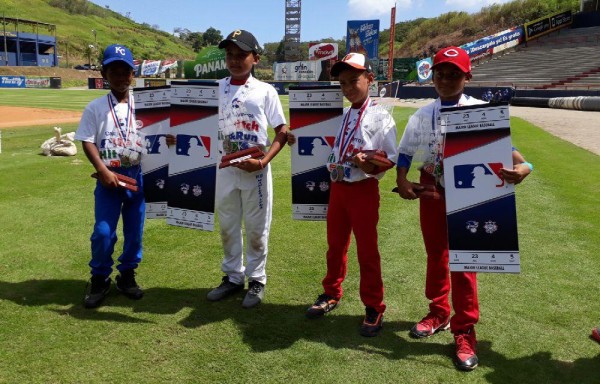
{"x": 291, "y": 139}
{"x": 108, "y": 179}
{"x": 250, "y": 165}
{"x": 408, "y": 190}
{"x": 171, "y": 140}
{"x": 360, "y": 160}
{"x": 515, "y": 175}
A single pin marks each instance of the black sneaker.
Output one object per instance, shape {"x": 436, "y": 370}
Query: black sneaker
{"x": 255, "y": 295}
{"x": 126, "y": 285}
{"x": 372, "y": 323}
{"x": 323, "y": 305}
{"x": 99, "y": 287}
{"x": 225, "y": 289}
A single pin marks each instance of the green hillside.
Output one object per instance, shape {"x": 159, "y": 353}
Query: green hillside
{"x": 76, "y": 20}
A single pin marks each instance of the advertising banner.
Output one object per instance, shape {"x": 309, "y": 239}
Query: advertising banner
{"x": 152, "y": 112}
{"x": 150, "y": 67}
{"x": 209, "y": 64}
{"x": 298, "y": 71}
{"x": 480, "y": 205}
{"x": 315, "y": 117}
{"x": 362, "y": 36}
{"x": 193, "y": 163}
{"x": 547, "y": 24}
{"x": 494, "y": 43}
{"x": 167, "y": 65}
{"x": 424, "y": 70}
{"x": 37, "y": 82}
{"x": 322, "y": 51}
{"x": 12, "y": 82}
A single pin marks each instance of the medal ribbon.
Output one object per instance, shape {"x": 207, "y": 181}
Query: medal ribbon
{"x": 128, "y": 120}
{"x": 345, "y": 142}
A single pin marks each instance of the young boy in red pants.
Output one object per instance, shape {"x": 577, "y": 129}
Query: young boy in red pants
{"x": 451, "y": 71}
{"x": 354, "y": 193}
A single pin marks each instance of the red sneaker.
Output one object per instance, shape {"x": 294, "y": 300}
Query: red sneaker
{"x": 596, "y": 334}
{"x": 466, "y": 359}
{"x": 429, "y": 325}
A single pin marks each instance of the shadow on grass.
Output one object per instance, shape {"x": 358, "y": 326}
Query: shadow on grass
{"x": 270, "y": 327}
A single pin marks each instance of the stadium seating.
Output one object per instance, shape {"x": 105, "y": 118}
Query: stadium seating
{"x": 566, "y": 59}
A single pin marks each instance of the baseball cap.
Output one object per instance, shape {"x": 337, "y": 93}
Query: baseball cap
{"x": 453, "y": 55}
{"x": 117, "y": 52}
{"x": 352, "y": 60}
{"x": 243, "y": 39}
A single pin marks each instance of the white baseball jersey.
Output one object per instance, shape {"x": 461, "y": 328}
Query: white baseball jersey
{"x": 375, "y": 129}
{"x": 112, "y": 127}
{"x": 245, "y": 112}
{"x": 422, "y": 140}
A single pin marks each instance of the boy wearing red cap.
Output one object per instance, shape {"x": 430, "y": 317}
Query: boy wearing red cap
{"x": 451, "y": 71}
{"x": 354, "y": 193}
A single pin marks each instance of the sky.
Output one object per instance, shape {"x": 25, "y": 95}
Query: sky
{"x": 266, "y": 18}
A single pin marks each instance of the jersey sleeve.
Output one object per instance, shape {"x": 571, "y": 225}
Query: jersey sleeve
{"x": 273, "y": 108}
{"x": 87, "y": 126}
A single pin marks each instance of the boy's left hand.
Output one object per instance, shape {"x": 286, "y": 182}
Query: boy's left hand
{"x": 171, "y": 140}
{"x": 250, "y": 165}
{"x": 360, "y": 160}
{"x": 515, "y": 175}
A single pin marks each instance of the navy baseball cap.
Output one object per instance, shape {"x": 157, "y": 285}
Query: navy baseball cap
{"x": 117, "y": 52}
{"x": 243, "y": 39}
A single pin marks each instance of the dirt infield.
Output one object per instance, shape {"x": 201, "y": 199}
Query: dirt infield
{"x": 581, "y": 128}
{"x": 27, "y": 117}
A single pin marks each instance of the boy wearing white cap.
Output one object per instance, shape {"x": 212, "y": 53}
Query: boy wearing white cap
{"x": 354, "y": 193}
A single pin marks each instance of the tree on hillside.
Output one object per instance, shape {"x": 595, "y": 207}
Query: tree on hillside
{"x": 212, "y": 36}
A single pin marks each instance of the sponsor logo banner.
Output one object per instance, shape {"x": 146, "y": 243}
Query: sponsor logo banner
{"x": 322, "y": 51}
{"x": 480, "y": 206}
{"x": 12, "y": 82}
{"x": 152, "y": 109}
{"x": 150, "y": 67}
{"x": 362, "y": 36}
{"x": 193, "y": 163}
{"x": 298, "y": 71}
{"x": 209, "y": 64}
{"x": 424, "y": 70}
{"x": 315, "y": 117}
{"x": 547, "y": 24}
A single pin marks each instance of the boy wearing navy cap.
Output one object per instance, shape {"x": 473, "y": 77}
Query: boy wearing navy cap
{"x": 244, "y": 191}
{"x": 111, "y": 143}
{"x": 451, "y": 71}
{"x": 354, "y": 193}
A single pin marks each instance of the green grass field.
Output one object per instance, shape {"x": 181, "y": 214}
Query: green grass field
{"x": 534, "y": 326}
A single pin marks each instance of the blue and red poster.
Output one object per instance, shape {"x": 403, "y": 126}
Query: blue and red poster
{"x": 152, "y": 110}
{"x": 193, "y": 163}
{"x": 315, "y": 116}
{"x": 480, "y": 205}
{"x": 363, "y": 37}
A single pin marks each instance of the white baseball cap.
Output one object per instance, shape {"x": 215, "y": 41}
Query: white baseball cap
{"x": 352, "y": 60}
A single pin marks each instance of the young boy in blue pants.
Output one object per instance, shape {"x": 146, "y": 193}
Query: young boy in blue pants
{"x": 111, "y": 143}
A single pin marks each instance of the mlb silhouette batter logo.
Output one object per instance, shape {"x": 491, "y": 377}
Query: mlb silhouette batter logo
{"x": 189, "y": 145}
{"x": 477, "y": 175}
{"x": 155, "y": 144}
{"x": 315, "y": 145}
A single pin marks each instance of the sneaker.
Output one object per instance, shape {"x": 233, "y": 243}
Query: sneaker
{"x": 323, "y": 305}
{"x": 466, "y": 359}
{"x": 226, "y": 288}
{"x": 372, "y": 323}
{"x": 429, "y": 325}
{"x": 127, "y": 285}
{"x": 596, "y": 334}
{"x": 99, "y": 287}
{"x": 255, "y": 294}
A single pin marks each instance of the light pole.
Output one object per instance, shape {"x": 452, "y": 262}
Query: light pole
{"x": 95, "y": 44}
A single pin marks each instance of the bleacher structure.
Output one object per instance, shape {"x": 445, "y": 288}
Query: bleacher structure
{"x": 568, "y": 59}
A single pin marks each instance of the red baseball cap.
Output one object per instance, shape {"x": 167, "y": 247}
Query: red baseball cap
{"x": 352, "y": 60}
{"x": 453, "y": 55}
